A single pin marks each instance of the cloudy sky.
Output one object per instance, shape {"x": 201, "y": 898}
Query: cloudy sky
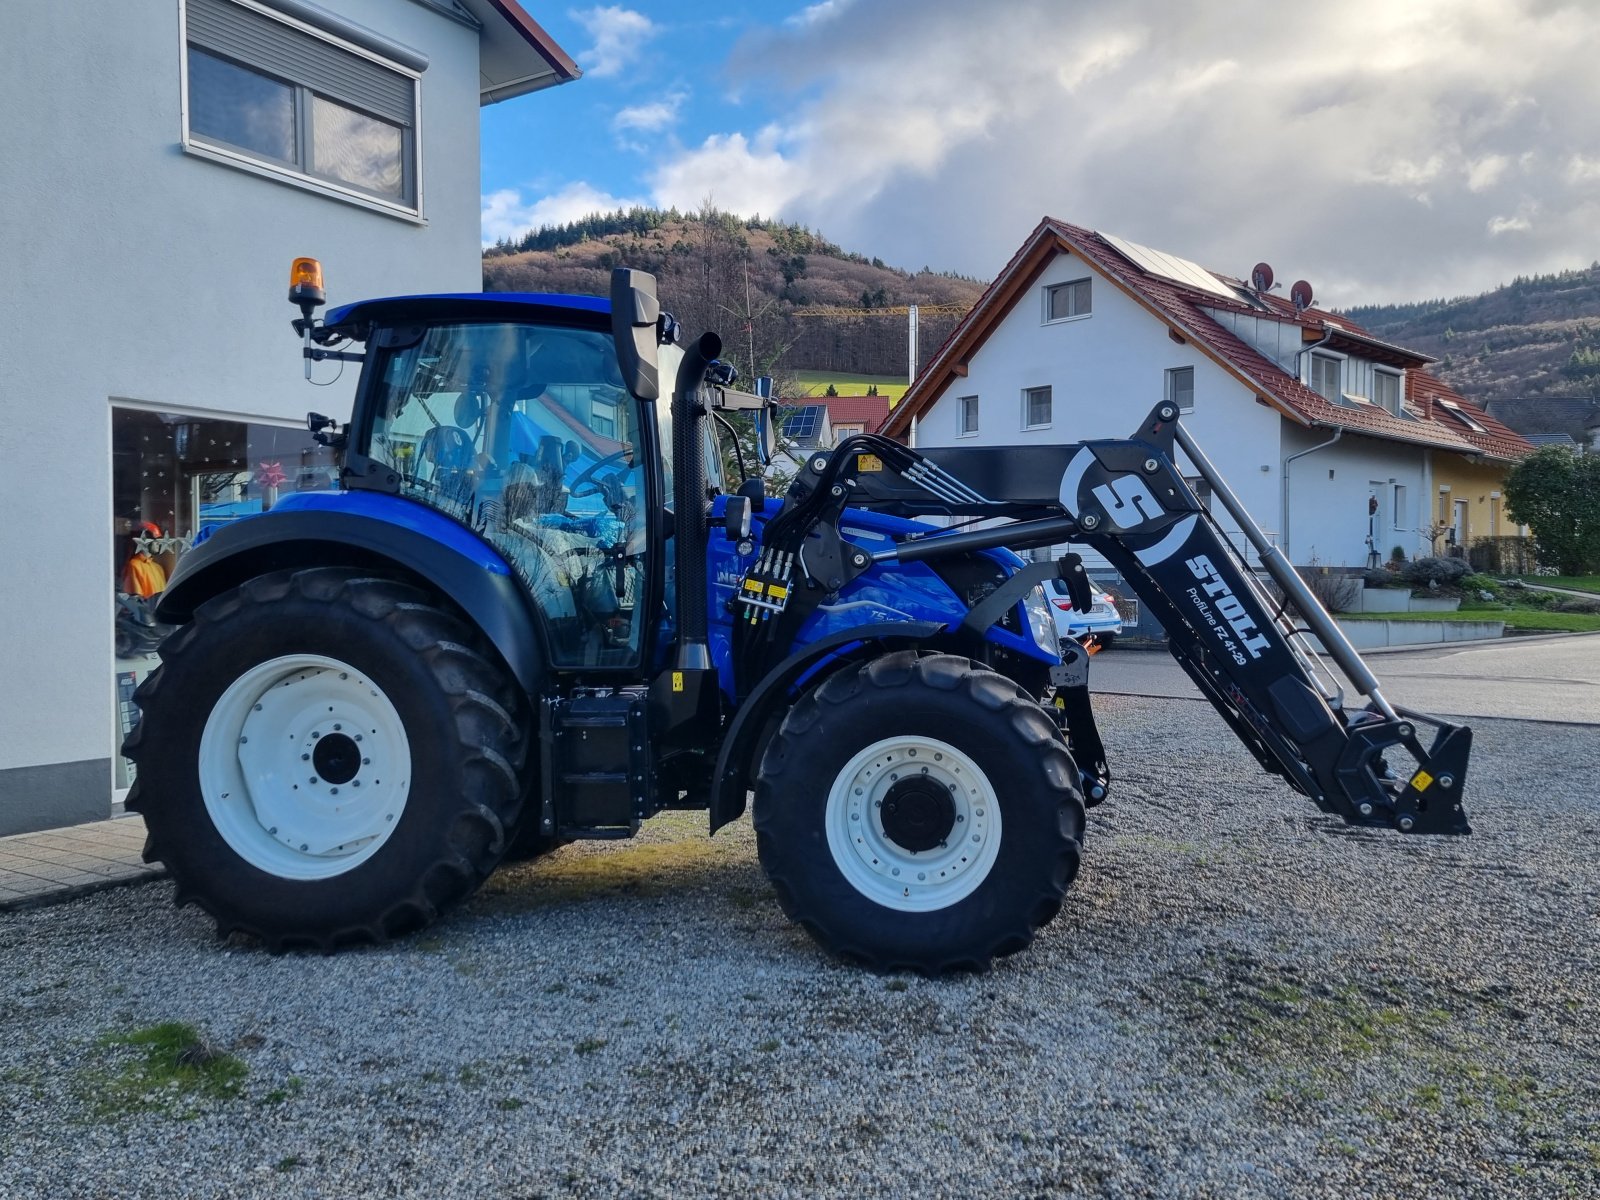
{"x": 1385, "y": 150}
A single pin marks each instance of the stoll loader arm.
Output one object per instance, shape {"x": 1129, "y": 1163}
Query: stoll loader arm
{"x": 1126, "y": 499}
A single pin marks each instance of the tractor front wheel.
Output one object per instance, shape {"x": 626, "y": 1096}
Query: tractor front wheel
{"x": 324, "y": 758}
{"x": 919, "y": 813}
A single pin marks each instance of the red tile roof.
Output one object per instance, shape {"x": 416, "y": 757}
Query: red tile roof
{"x": 867, "y": 411}
{"x": 1183, "y": 308}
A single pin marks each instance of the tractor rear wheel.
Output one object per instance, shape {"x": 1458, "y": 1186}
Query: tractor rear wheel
{"x": 325, "y": 758}
{"x": 919, "y": 813}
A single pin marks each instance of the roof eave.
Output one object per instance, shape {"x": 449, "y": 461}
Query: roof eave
{"x": 516, "y": 55}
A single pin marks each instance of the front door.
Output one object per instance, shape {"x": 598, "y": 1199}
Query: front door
{"x": 524, "y": 433}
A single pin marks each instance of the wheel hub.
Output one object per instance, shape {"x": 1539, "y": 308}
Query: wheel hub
{"x": 913, "y": 823}
{"x": 304, "y": 766}
{"x": 918, "y": 814}
{"x": 337, "y": 758}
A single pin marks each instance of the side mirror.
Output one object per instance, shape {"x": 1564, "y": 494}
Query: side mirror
{"x": 635, "y": 312}
{"x": 766, "y": 423}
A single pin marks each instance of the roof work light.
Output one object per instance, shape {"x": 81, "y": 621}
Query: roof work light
{"x": 305, "y": 285}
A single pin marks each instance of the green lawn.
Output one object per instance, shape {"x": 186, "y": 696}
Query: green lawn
{"x": 1515, "y": 618}
{"x": 816, "y": 383}
{"x": 1578, "y": 583}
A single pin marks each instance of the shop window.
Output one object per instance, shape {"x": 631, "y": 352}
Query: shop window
{"x": 176, "y": 477}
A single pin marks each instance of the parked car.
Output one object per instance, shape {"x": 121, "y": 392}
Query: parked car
{"x": 1103, "y": 620}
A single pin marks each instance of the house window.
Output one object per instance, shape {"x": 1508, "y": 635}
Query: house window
{"x": 1180, "y": 388}
{"x": 1399, "y": 506}
{"x": 1063, "y": 301}
{"x": 1386, "y": 390}
{"x": 1327, "y": 376}
{"x": 1035, "y": 407}
{"x": 270, "y": 95}
{"x": 969, "y": 416}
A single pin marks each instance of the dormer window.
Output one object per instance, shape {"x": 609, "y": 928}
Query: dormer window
{"x": 1386, "y": 390}
{"x": 1065, "y": 301}
{"x": 1327, "y": 376}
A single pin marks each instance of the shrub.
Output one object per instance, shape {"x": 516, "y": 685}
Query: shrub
{"x": 1575, "y": 604}
{"x": 1435, "y": 572}
{"x": 1377, "y": 577}
{"x": 1336, "y": 592}
{"x": 1478, "y": 584}
{"x": 1397, "y": 555}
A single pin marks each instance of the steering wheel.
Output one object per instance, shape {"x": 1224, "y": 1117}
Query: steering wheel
{"x": 587, "y": 485}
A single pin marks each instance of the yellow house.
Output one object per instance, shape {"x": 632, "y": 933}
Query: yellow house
{"x": 1469, "y": 490}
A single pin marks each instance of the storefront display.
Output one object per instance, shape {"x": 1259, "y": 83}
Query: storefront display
{"x": 174, "y": 475}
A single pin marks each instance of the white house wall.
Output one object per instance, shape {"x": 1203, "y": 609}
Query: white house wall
{"x": 138, "y": 272}
{"x": 1328, "y": 497}
{"x": 1106, "y": 372}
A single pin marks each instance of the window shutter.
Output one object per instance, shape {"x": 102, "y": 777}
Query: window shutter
{"x": 252, "y": 40}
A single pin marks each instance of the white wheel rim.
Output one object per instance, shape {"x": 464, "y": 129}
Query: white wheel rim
{"x": 883, "y": 870}
{"x": 267, "y": 744}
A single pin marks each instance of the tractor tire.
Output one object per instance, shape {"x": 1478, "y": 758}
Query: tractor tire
{"x": 919, "y": 813}
{"x": 326, "y": 758}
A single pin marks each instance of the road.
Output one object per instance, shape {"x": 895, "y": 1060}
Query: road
{"x": 1528, "y": 678}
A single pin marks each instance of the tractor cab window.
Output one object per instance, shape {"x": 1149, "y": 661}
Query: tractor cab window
{"x": 526, "y": 434}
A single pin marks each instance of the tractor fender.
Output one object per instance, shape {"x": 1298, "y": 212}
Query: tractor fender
{"x": 427, "y": 546}
{"x": 770, "y": 696}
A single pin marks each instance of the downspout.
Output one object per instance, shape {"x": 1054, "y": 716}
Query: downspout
{"x": 1338, "y": 433}
{"x": 1327, "y": 336}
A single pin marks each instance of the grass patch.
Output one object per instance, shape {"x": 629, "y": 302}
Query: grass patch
{"x": 816, "y": 383}
{"x": 1515, "y": 618}
{"x": 292, "y": 1087}
{"x": 589, "y": 1045}
{"x": 1578, "y": 583}
{"x": 171, "y": 1066}
{"x": 635, "y": 868}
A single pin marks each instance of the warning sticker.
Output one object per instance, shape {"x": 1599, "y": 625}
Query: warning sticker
{"x": 1421, "y": 781}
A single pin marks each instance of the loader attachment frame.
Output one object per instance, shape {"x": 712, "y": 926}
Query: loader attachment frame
{"x": 1237, "y": 641}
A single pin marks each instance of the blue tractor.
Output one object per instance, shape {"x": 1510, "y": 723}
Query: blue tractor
{"x": 534, "y": 611}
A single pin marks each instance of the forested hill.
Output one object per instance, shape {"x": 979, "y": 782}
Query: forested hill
{"x": 780, "y": 295}
{"x": 1537, "y": 335}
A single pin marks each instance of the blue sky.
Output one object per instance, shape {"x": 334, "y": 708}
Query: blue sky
{"x": 1382, "y": 150}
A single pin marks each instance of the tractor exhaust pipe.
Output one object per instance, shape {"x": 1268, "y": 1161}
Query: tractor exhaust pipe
{"x": 689, "y": 502}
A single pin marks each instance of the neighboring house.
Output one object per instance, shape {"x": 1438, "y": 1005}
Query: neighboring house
{"x": 855, "y": 414}
{"x": 1551, "y": 420}
{"x": 1468, "y": 489}
{"x": 164, "y": 163}
{"x": 1326, "y": 433}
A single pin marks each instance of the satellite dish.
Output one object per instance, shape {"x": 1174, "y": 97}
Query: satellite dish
{"x": 1300, "y": 293}
{"x": 1261, "y": 276}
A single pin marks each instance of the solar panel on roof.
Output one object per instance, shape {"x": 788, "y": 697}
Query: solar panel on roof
{"x": 804, "y": 422}
{"x": 1170, "y": 266}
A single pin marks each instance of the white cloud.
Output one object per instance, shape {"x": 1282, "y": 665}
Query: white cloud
{"x": 649, "y": 118}
{"x": 1517, "y": 224}
{"x": 1582, "y": 170}
{"x": 1380, "y": 167}
{"x": 1486, "y": 172}
{"x": 507, "y": 215}
{"x": 815, "y": 13}
{"x": 619, "y": 35}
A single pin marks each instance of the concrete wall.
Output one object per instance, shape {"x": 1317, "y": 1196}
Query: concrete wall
{"x": 137, "y": 272}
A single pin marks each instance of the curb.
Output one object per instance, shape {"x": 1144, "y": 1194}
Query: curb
{"x": 73, "y": 891}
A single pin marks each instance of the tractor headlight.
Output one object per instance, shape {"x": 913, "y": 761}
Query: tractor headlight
{"x": 1040, "y": 622}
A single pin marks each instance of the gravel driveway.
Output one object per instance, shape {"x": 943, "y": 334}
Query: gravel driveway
{"x": 1240, "y": 998}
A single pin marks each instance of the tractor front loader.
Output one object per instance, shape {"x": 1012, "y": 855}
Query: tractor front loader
{"x": 535, "y": 611}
